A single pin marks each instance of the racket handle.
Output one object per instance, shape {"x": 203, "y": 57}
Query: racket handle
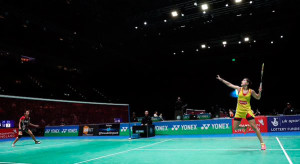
{"x": 260, "y": 85}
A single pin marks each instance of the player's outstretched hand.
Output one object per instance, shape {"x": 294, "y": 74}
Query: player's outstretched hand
{"x": 260, "y": 88}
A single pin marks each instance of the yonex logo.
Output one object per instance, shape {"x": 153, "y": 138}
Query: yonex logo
{"x": 205, "y": 126}
{"x": 161, "y": 128}
{"x": 175, "y": 127}
{"x": 124, "y": 129}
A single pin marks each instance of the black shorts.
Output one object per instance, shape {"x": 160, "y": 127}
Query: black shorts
{"x": 24, "y": 130}
{"x": 248, "y": 117}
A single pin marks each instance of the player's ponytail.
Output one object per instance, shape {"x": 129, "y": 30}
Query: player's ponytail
{"x": 249, "y": 82}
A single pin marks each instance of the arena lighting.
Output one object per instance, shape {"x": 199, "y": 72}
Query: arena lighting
{"x": 195, "y": 4}
{"x": 281, "y": 36}
{"x": 174, "y": 13}
{"x": 246, "y": 39}
{"x": 165, "y": 20}
{"x": 182, "y": 51}
{"x": 254, "y": 41}
{"x": 182, "y": 15}
{"x": 240, "y": 42}
{"x": 145, "y": 23}
{"x": 226, "y": 5}
{"x": 203, "y": 46}
{"x": 204, "y": 7}
{"x": 237, "y": 1}
{"x": 224, "y": 43}
{"x": 272, "y": 42}
{"x": 136, "y": 27}
{"x": 197, "y": 49}
{"x": 250, "y": 2}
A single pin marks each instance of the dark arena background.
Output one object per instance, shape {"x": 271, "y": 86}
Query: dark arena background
{"x": 87, "y": 70}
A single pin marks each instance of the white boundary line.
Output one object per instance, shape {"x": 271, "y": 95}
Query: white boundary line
{"x": 12, "y": 163}
{"x": 286, "y": 155}
{"x": 36, "y": 147}
{"x": 121, "y": 152}
{"x": 206, "y": 149}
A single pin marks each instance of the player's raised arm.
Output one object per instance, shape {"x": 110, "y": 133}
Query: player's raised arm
{"x": 257, "y": 95}
{"x": 228, "y": 83}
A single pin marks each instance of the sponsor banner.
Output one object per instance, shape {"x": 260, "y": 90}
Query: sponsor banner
{"x": 155, "y": 119}
{"x": 124, "y": 131}
{"x": 199, "y": 116}
{"x": 284, "y": 123}
{"x": 54, "y": 131}
{"x": 140, "y": 119}
{"x": 261, "y": 122}
{"x": 8, "y": 133}
{"x": 109, "y": 129}
{"x": 204, "y": 116}
{"x": 88, "y": 130}
{"x": 220, "y": 126}
{"x": 186, "y": 117}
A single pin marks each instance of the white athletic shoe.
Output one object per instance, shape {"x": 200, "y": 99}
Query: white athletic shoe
{"x": 13, "y": 145}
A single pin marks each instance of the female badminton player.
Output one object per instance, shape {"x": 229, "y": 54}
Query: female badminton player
{"x": 24, "y": 123}
{"x": 243, "y": 109}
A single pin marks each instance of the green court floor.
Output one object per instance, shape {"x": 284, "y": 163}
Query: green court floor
{"x": 241, "y": 150}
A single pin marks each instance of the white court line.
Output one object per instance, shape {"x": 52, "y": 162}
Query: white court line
{"x": 286, "y": 155}
{"x": 293, "y": 149}
{"x": 12, "y": 163}
{"x": 121, "y": 152}
{"x": 29, "y": 148}
{"x": 206, "y": 149}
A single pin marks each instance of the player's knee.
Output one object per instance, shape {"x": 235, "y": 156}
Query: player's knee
{"x": 236, "y": 127}
{"x": 254, "y": 128}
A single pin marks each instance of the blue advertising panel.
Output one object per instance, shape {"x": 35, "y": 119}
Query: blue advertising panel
{"x": 284, "y": 124}
{"x": 7, "y": 124}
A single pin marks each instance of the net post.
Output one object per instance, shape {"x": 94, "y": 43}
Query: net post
{"x": 129, "y": 122}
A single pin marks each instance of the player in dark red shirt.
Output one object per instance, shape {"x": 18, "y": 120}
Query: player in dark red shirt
{"x": 24, "y": 123}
